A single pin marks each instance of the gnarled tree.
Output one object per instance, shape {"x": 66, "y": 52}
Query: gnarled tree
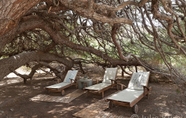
{"x": 121, "y": 33}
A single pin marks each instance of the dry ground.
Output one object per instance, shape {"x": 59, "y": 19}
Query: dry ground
{"x": 165, "y": 101}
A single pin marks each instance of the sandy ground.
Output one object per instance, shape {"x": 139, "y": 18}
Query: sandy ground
{"x": 165, "y": 101}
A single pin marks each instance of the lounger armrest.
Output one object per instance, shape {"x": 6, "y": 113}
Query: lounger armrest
{"x": 146, "y": 88}
{"x": 71, "y": 80}
{"x": 113, "y": 81}
{"x": 121, "y": 86}
{"x": 97, "y": 80}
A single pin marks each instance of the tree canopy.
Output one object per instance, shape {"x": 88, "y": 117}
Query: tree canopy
{"x": 146, "y": 33}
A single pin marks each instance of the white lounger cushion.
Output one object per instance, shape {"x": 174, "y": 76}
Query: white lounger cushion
{"x": 98, "y": 87}
{"x": 57, "y": 86}
{"x": 139, "y": 80}
{"x": 126, "y": 95}
{"x": 110, "y": 74}
{"x": 71, "y": 74}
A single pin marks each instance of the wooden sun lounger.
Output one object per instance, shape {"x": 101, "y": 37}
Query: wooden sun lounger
{"x": 69, "y": 81}
{"x": 136, "y": 90}
{"x": 107, "y": 83}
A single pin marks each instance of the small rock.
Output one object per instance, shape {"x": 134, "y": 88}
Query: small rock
{"x": 1, "y": 112}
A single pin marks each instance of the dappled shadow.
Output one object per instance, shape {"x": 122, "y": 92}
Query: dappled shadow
{"x": 164, "y": 100}
{"x": 9, "y": 81}
{"x": 61, "y": 99}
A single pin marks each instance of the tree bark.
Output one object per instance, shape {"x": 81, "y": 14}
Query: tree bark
{"x": 12, "y": 11}
{"x": 8, "y": 65}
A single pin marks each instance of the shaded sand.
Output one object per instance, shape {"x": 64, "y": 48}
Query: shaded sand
{"x": 166, "y": 100}
{"x": 96, "y": 110}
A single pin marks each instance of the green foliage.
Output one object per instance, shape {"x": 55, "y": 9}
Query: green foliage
{"x": 28, "y": 41}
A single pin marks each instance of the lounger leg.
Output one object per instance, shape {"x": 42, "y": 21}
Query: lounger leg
{"x": 110, "y": 104}
{"x": 148, "y": 92}
{"x": 135, "y": 108}
{"x": 102, "y": 94}
{"x": 87, "y": 92}
{"x": 62, "y": 92}
{"x": 147, "y": 95}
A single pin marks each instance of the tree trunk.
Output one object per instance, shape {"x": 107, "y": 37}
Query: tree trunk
{"x": 10, "y": 64}
{"x": 12, "y": 11}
